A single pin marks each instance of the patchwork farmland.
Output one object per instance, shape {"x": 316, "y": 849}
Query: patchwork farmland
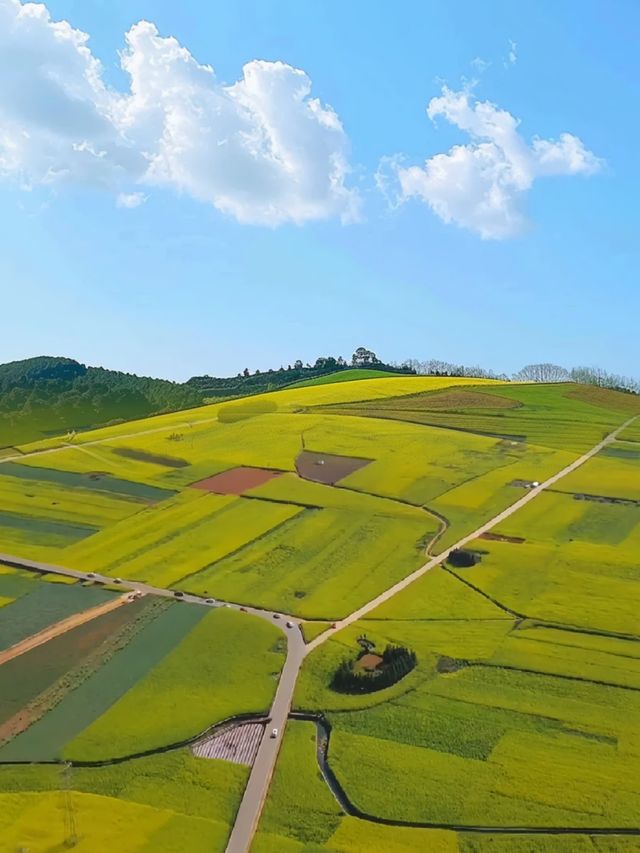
{"x": 150, "y": 725}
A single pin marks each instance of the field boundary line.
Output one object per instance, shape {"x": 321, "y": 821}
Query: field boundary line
{"x": 323, "y": 736}
{"x": 61, "y": 627}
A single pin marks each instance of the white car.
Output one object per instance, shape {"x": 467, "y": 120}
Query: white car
{"x": 274, "y": 732}
{"x": 289, "y": 624}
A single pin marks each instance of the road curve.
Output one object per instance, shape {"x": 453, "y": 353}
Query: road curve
{"x": 262, "y": 771}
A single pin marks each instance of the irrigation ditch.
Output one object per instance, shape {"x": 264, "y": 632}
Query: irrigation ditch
{"x": 323, "y": 737}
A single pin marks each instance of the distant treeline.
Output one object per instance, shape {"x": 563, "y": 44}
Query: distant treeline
{"x": 544, "y": 372}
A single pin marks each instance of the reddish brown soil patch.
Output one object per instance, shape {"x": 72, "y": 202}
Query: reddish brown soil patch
{"x": 327, "y": 468}
{"x": 236, "y": 481}
{"x": 496, "y": 537}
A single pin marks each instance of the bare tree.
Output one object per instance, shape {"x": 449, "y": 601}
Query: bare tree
{"x": 542, "y": 373}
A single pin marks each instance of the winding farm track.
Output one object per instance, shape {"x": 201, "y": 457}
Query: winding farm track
{"x": 258, "y": 786}
{"x": 52, "y": 631}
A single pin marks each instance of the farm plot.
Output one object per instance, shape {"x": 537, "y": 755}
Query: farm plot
{"x": 557, "y": 416}
{"x": 40, "y": 605}
{"x": 322, "y": 563}
{"x": 226, "y": 665}
{"x": 163, "y": 803}
{"x": 469, "y": 505}
{"x": 100, "y": 458}
{"x": 15, "y": 583}
{"x": 300, "y": 811}
{"x": 236, "y": 481}
{"x": 579, "y": 584}
{"x": 53, "y": 502}
{"x": 299, "y": 805}
{"x": 327, "y": 468}
{"x": 178, "y": 538}
{"x": 432, "y": 642}
{"x": 531, "y": 750}
{"x": 632, "y": 432}
{"x": 55, "y": 666}
{"x": 156, "y": 638}
{"x": 605, "y": 660}
{"x": 614, "y": 473}
{"x": 577, "y": 566}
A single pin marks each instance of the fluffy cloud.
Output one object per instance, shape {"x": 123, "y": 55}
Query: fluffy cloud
{"x": 261, "y": 150}
{"x": 481, "y": 186}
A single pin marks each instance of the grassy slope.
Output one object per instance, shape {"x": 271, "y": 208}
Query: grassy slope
{"x": 356, "y": 374}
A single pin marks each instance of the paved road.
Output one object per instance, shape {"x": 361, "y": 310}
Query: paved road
{"x": 258, "y": 785}
{"x": 73, "y": 621}
{"x": 262, "y": 770}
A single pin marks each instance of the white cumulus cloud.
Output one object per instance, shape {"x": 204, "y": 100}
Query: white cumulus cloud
{"x": 482, "y": 185}
{"x": 262, "y": 149}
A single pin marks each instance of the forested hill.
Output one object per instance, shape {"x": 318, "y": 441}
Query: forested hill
{"x": 47, "y": 396}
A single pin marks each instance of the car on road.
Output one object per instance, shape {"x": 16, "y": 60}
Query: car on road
{"x": 117, "y": 580}
{"x": 289, "y": 624}
{"x": 178, "y": 594}
{"x": 276, "y": 615}
{"x": 91, "y": 574}
{"x": 334, "y": 625}
{"x": 274, "y": 732}
{"x": 243, "y": 609}
{"x": 210, "y": 601}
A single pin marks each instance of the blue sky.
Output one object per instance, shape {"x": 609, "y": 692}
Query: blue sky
{"x": 215, "y": 265}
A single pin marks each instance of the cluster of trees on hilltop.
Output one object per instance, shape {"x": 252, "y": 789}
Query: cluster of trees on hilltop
{"x": 47, "y": 396}
{"x": 247, "y": 382}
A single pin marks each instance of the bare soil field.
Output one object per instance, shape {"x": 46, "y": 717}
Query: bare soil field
{"x": 236, "y": 481}
{"x": 327, "y": 468}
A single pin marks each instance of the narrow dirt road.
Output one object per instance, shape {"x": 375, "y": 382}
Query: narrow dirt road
{"x": 258, "y": 786}
{"x": 61, "y": 627}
